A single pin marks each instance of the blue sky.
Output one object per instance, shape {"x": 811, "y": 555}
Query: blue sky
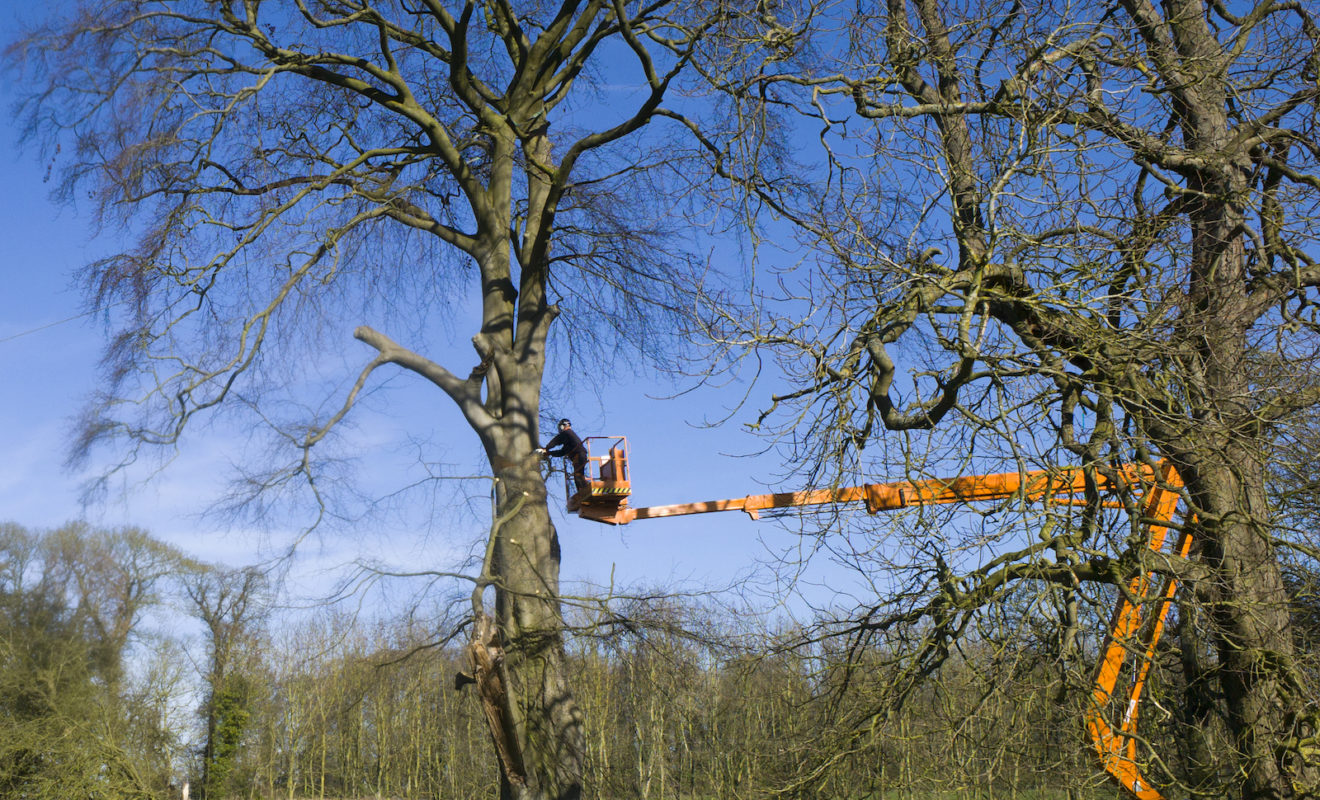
{"x": 51, "y": 370}
{"x": 49, "y": 355}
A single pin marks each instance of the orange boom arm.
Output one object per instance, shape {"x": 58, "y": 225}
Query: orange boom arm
{"x": 1141, "y": 608}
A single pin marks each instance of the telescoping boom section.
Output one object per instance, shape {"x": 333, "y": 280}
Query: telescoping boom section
{"x": 1138, "y": 619}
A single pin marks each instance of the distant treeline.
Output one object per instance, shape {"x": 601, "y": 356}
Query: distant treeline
{"x": 682, "y": 698}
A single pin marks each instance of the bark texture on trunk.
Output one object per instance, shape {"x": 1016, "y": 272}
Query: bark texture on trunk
{"x": 1198, "y": 747}
{"x": 1249, "y": 610}
{"x": 545, "y": 722}
{"x": 1222, "y": 451}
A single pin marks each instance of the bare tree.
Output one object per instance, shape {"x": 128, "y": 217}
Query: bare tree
{"x": 1090, "y": 230}
{"x": 76, "y": 720}
{"x": 291, "y": 168}
{"x": 115, "y": 575}
{"x": 232, "y": 605}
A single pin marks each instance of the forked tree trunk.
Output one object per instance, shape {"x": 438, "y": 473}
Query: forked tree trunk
{"x": 535, "y": 723}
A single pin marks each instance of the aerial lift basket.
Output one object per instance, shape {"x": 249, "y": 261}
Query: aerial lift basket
{"x": 609, "y": 482}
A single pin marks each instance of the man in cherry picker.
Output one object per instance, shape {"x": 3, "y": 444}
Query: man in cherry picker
{"x": 567, "y": 444}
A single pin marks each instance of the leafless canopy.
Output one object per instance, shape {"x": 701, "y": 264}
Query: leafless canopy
{"x": 1055, "y": 233}
{"x": 297, "y": 171}
{"x": 289, "y": 167}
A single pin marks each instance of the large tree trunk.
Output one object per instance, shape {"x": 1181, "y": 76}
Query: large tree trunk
{"x": 546, "y": 725}
{"x": 519, "y": 662}
{"x": 1225, "y": 477}
{"x": 1249, "y": 609}
{"x": 535, "y": 723}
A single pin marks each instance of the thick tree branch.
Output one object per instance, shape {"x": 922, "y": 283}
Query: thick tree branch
{"x": 466, "y": 394}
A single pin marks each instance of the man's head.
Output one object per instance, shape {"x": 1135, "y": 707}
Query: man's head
{"x": 564, "y": 424}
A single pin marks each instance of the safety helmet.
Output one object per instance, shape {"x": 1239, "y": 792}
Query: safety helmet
{"x": 564, "y": 422}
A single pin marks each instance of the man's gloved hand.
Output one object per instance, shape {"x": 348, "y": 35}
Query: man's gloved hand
{"x": 540, "y": 451}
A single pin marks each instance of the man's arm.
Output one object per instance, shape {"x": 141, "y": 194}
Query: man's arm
{"x": 561, "y": 441}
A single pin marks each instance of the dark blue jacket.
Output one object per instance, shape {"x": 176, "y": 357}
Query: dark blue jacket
{"x": 569, "y": 446}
